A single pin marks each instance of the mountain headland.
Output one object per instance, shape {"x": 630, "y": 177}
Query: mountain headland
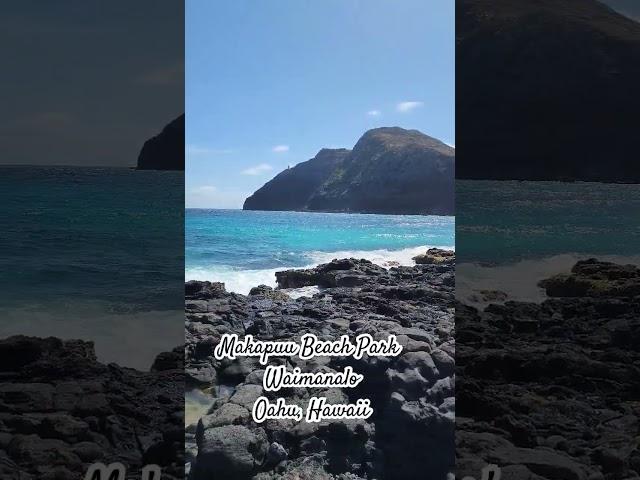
{"x": 546, "y": 90}
{"x": 390, "y": 171}
{"x": 165, "y": 151}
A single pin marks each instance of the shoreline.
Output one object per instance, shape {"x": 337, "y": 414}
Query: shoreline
{"x": 524, "y": 368}
{"x": 479, "y": 284}
{"x": 114, "y": 334}
{"x": 242, "y": 281}
{"x": 415, "y": 303}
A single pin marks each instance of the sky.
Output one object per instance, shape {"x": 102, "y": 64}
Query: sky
{"x": 268, "y": 84}
{"x": 630, "y": 8}
{"x": 86, "y": 82}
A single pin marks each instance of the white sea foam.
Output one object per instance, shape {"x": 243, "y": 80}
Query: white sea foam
{"x": 519, "y": 280}
{"x": 383, "y": 257}
{"x": 242, "y": 281}
{"x": 238, "y": 281}
{"x": 302, "y": 291}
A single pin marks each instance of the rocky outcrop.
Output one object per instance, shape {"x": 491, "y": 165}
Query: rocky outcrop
{"x": 348, "y": 272}
{"x": 61, "y": 410}
{"x": 165, "y": 151}
{"x": 593, "y": 278}
{"x": 411, "y": 434}
{"x": 435, "y": 256}
{"x": 390, "y": 170}
{"x": 546, "y": 90}
{"x": 550, "y": 390}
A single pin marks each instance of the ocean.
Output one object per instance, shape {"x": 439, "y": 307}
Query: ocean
{"x": 101, "y": 253}
{"x": 96, "y": 254}
{"x": 511, "y": 234}
{"x": 244, "y": 249}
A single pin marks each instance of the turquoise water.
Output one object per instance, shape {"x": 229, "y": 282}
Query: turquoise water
{"x": 93, "y": 253}
{"x": 512, "y": 234}
{"x": 245, "y": 248}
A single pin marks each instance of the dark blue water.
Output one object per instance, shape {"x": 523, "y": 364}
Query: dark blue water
{"x": 92, "y": 253}
{"x": 502, "y": 222}
{"x": 245, "y": 248}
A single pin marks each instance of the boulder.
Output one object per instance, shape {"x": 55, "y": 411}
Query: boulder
{"x": 231, "y": 452}
{"x": 435, "y": 256}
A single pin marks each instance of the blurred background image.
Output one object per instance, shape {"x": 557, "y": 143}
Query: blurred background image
{"x": 548, "y": 209}
{"x": 92, "y": 243}
{"x": 92, "y": 188}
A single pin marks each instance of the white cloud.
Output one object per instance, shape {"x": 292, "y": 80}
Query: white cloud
{"x": 452, "y": 145}
{"x": 280, "y": 148}
{"x": 374, "y": 113}
{"x": 258, "y": 169}
{"x": 405, "y": 107}
{"x": 198, "y": 150}
{"x": 209, "y": 196}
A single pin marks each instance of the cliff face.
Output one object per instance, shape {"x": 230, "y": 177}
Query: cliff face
{"x": 390, "y": 170}
{"x": 165, "y": 151}
{"x": 546, "y": 90}
{"x": 292, "y": 188}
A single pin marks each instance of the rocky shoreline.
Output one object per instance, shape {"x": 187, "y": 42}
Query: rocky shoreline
{"x": 551, "y": 390}
{"x": 545, "y": 390}
{"x": 62, "y": 410}
{"x": 411, "y": 433}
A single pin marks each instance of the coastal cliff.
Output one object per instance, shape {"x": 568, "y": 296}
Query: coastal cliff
{"x": 546, "y": 90}
{"x": 390, "y": 170}
{"x": 165, "y": 151}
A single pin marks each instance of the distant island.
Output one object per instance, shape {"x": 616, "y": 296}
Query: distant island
{"x": 165, "y": 151}
{"x": 389, "y": 171}
{"x": 547, "y": 90}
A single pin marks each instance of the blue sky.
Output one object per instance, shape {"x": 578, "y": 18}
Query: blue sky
{"x": 268, "y": 84}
